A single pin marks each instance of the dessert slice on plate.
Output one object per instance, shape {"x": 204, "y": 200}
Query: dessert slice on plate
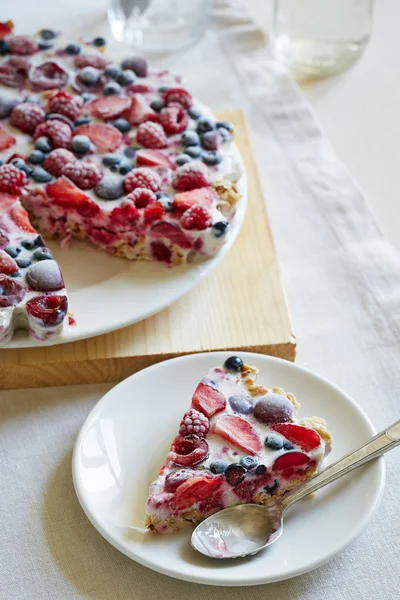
{"x": 32, "y": 289}
{"x": 238, "y": 443}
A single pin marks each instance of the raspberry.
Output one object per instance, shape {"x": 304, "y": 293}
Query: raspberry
{"x": 56, "y": 161}
{"x": 27, "y": 116}
{"x": 84, "y": 175}
{"x": 64, "y": 104}
{"x": 160, "y": 252}
{"x": 180, "y": 96}
{"x": 58, "y": 132}
{"x": 151, "y": 135}
{"x": 174, "y": 118}
{"x": 22, "y": 45}
{"x": 153, "y": 212}
{"x": 194, "y": 422}
{"x": 12, "y": 179}
{"x": 190, "y": 176}
{"x": 141, "y": 197}
{"x": 142, "y": 178}
{"x": 196, "y": 217}
{"x": 125, "y": 215}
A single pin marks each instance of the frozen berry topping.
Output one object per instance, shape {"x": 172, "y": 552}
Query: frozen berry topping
{"x": 194, "y": 422}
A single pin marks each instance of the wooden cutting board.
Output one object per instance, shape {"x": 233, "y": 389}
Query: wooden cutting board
{"x": 240, "y": 306}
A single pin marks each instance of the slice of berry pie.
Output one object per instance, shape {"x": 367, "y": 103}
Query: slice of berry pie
{"x": 238, "y": 443}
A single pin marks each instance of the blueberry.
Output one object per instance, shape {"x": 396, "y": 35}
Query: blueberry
{"x": 48, "y": 34}
{"x": 111, "y": 88}
{"x": 1, "y": 162}
{"x": 204, "y": 125}
{"x": 137, "y": 64}
{"x": 220, "y": 228}
{"x": 225, "y": 135}
{"x": 82, "y": 121}
{"x": 4, "y": 47}
{"x": 44, "y": 46}
{"x": 36, "y": 157}
{"x": 249, "y": 462}
{"x": 193, "y": 151}
{"x": 225, "y": 125}
{"x": 271, "y": 487}
{"x": 125, "y": 166}
{"x": 111, "y": 159}
{"x": 130, "y": 152}
{"x": 288, "y": 445}
{"x": 211, "y": 140}
{"x": 182, "y": 159}
{"x": 273, "y": 408}
{"x": 17, "y": 274}
{"x": 194, "y": 113}
{"x": 40, "y": 175}
{"x": 126, "y": 77}
{"x": 261, "y": 469}
{"x": 28, "y": 244}
{"x": 42, "y": 254}
{"x": 190, "y": 138}
{"x": 165, "y": 200}
{"x": 45, "y": 276}
{"x": 110, "y": 187}
{"x": 39, "y": 242}
{"x": 217, "y": 467}
{"x": 32, "y": 99}
{"x": 234, "y": 364}
{"x": 157, "y": 104}
{"x": 23, "y": 262}
{"x": 211, "y": 158}
{"x": 274, "y": 441}
{"x": 44, "y": 145}
{"x": 164, "y": 88}
{"x": 241, "y": 404}
{"x": 112, "y": 71}
{"x": 89, "y": 75}
{"x": 12, "y": 250}
{"x": 86, "y": 96}
{"x": 235, "y": 474}
{"x": 80, "y": 144}
{"x": 72, "y": 49}
{"x": 7, "y": 103}
{"x": 122, "y": 125}
{"x": 99, "y": 41}
{"x": 21, "y": 164}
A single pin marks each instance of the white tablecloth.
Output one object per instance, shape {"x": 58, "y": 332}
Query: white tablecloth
{"x": 343, "y": 285}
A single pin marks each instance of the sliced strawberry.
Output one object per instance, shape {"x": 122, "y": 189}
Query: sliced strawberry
{"x": 306, "y": 438}
{"x": 139, "y": 110}
{"x": 6, "y": 28}
{"x": 153, "y": 158}
{"x": 109, "y": 107}
{"x": 208, "y": 400}
{"x": 195, "y": 489}
{"x": 239, "y": 432}
{"x": 7, "y": 264}
{"x": 6, "y": 201}
{"x": 184, "y": 200}
{"x": 6, "y": 139}
{"x": 66, "y": 194}
{"x": 290, "y": 460}
{"x": 172, "y": 233}
{"x": 189, "y": 450}
{"x": 140, "y": 88}
{"x": 21, "y": 219}
{"x": 105, "y": 137}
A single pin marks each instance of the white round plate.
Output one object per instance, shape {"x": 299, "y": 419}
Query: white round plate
{"x": 124, "y": 441}
{"x": 107, "y": 293}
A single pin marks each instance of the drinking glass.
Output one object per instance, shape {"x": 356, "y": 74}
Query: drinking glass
{"x": 158, "y": 25}
{"x": 317, "y": 38}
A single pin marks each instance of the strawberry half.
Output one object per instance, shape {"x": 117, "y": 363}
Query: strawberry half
{"x": 238, "y": 432}
{"x": 185, "y": 200}
{"x": 208, "y": 400}
{"x": 172, "y": 233}
{"x": 139, "y": 110}
{"x": 105, "y": 137}
{"x": 306, "y": 438}
{"x": 21, "y": 219}
{"x": 109, "y": 107}
{"x": 291, "y": 460}
{"x": 195, "y": 489}
{"x": 153, "y": 158}
{"x": 6, "y": 139}
{"x": 7, "y": 264}
{"x": 66, "y": 194}
{"x": 6, "y": 28}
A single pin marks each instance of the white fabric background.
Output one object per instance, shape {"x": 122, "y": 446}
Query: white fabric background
{"x": 343, "y": 285}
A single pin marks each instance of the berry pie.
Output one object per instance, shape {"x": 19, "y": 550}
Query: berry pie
{"x": 238, "y": 443}
{"x": 115, "y": 154}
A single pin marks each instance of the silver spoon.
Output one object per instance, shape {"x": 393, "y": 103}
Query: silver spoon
{"x": 248, "y": 528}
